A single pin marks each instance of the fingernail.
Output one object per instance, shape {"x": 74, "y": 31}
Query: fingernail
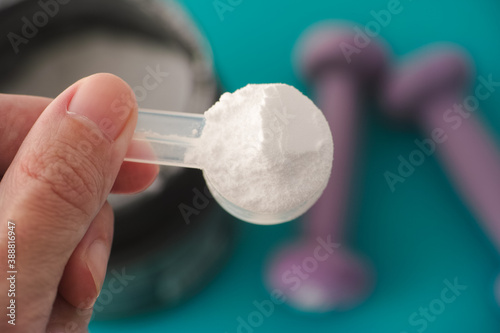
{"x": 105, "y": 100}
{"x": 97, "y": 262}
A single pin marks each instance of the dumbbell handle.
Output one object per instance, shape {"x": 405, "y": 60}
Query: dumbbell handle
{"x": 472, "y": 161}
{"x": 337, "y": 96}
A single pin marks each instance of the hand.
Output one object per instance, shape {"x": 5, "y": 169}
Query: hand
{"x": 59, "y": 160}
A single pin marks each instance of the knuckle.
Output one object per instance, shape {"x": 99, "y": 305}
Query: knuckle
{"x": 69, "y": 177}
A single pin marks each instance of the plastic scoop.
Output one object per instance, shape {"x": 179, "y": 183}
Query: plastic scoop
{"x": 166, "y": 138}
{"x": 163, "y": 137}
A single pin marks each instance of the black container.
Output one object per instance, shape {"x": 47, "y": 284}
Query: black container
{"x": 160, "y": 257}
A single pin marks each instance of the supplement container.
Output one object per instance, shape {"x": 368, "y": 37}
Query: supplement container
{"x": 171, "y": 240}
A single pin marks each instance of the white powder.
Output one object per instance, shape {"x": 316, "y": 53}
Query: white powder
{"x": 266, "y": 148}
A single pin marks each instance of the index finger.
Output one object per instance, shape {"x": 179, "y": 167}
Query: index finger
{"x": 18, "y": 113}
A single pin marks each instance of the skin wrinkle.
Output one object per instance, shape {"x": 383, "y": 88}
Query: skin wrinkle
{"x": 77, "y": 178}
{"x": 90, "y": 165}
{"x": 51, "y": 168}
{"x": 43, "y": 233}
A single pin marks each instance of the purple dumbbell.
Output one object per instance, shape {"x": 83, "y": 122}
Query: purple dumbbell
{"x": 318, "y": 273}
{"x": 431, "y": 91}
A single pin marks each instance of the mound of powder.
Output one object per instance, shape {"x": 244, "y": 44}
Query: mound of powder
{"x": 266, "y": 148}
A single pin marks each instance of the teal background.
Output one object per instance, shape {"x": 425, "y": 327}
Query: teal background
{"x": 416, "y": 237}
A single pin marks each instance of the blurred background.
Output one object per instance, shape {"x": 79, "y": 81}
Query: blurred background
{"x": 206, "y": 274}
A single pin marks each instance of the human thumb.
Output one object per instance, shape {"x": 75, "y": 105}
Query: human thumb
{"x": 56, "y": 186}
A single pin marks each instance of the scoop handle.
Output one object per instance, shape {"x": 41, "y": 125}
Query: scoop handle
{"x": 163, "y": 137}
